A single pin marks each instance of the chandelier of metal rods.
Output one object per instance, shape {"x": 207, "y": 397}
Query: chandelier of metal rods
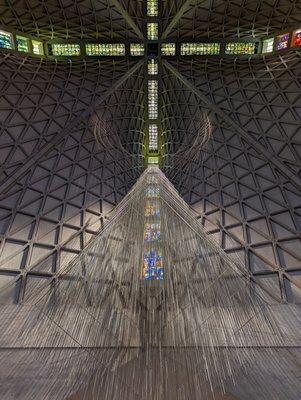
{"x": 151, "y": 309}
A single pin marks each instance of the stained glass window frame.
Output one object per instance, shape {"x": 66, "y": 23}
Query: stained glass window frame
{"x": 200, "y": 48}
{"x": 268, "y": 45}
{"x": 152, "y": 31}
{"x": 20, "y": 37}
{"x": 152, "y": 67}
{"x": 296, "y": 32}
{"x": 153, "y": 137}
{"x": 168, "y": 49}
{"x": 279, "y": 41}
{"x": 64, "y": 49}
{"x": 105, "y": 49}
{"x": 153, "y": 160}
{"x": 152, "y": 8}
{"x": 37, "y": 44}
{"x": 240, "y": 48}
{"x": 9, "y": 43}
{"x": 137, "y": 49}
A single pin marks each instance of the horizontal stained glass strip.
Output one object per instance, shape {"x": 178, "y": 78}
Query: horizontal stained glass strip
{"x": 64, "y": 49}
{"x": 137, "y": 49}
{"x": 240, "y": 48}
{"x": 200, "y": 49}
{"x": 105, "y": 49}
{"x": 168, "y": 49}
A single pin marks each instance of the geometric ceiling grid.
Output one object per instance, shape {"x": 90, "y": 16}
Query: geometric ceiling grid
{"x": 41, "y": 98}
{"x": 263, "y": 96}
{"x": 230, "y": 18}
{"x": 245, "y": 202}
{"x": 181, "y": 19}
{"x": 70, "y": 180}
{"x": 59, "y": 205}
{"x": 55, "y": 19}
{"x": 247, "y": 206}
{"x": 73, "y": 133}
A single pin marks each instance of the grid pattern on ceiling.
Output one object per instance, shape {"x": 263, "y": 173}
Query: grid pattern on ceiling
{"x": 225, "y": 19}
{"x": 235, "y": 190}
{"x": 53, "y": 209}
{"x": 60, "y": 20}
{"x": 50, "y": 213}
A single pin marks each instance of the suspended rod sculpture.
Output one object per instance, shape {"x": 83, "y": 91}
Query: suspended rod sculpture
{"x": 152, "y": 309}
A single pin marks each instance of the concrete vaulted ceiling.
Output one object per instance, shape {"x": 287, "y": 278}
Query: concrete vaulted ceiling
{"x": 58, "y": 182}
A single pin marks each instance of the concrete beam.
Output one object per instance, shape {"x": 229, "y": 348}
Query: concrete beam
{"x": 185, "y": 7}
{"x": 129, "y": 20}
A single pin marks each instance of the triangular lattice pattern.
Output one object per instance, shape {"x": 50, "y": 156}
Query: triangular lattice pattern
{"x": 234, "y": 188}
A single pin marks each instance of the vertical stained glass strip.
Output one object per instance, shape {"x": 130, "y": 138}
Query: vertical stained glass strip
{"x": 153, "y": 99}
{"x": 5, "y": 40}
{"x": 152, "y": 8}
{"x": 153, "y": 137}
{"x": 152, "y": 67}
{"x": 152, "y": 31}
{"x": 240, "y": 48}
{"x": 296, "y": 39}
{"x": 22, "y": 44}
{"x": 153, "y": 265}
{"x": 37, "y": 47}
{"x": 268, "y": 45}
{"x": 152, "y": 269}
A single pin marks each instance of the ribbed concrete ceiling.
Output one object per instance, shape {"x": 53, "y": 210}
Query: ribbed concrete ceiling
{"x": 57, "y": 182}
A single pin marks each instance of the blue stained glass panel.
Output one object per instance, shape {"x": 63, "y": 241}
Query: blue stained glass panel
{"x": 153, "y": 266}
{"x": 5, "y": 40}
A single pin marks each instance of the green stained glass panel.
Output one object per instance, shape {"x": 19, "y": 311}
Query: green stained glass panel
{"x": 22, "y": 44}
